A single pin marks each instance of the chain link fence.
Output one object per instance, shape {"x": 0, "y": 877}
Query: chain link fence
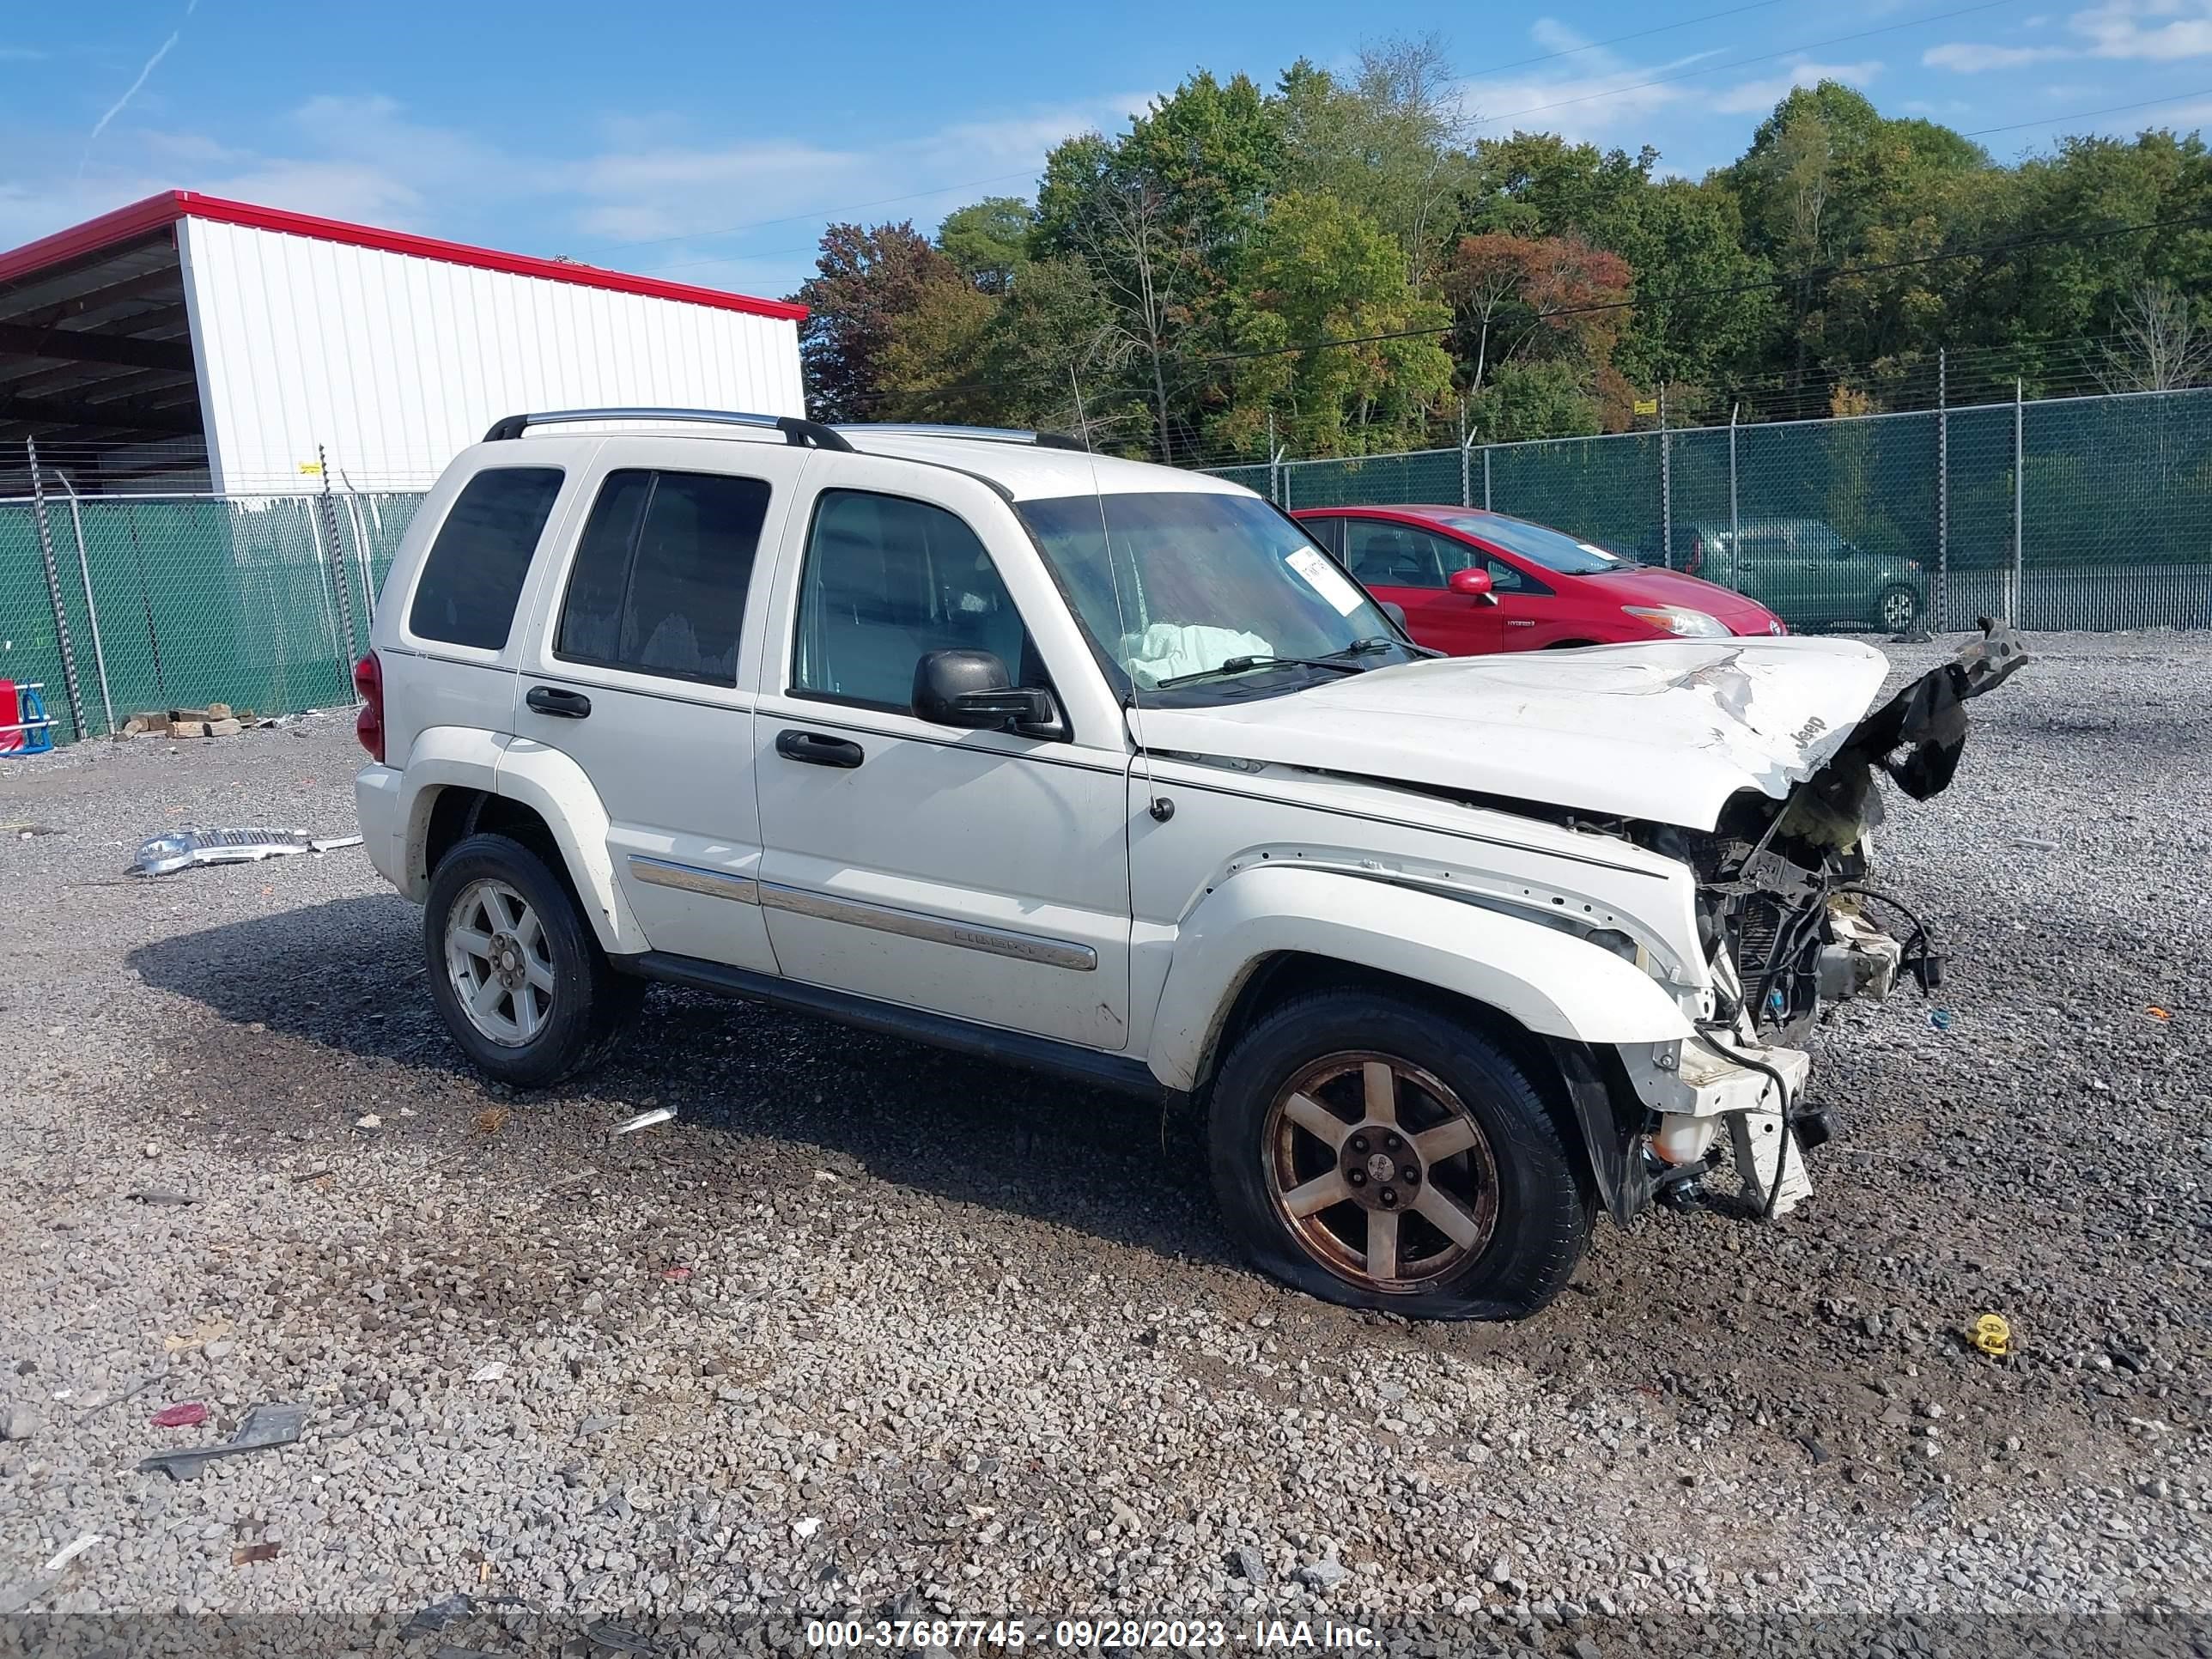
{"x": 2063, "y": 514}
{"x": 2078, "y": 513}
{"x": 151, "y": 603}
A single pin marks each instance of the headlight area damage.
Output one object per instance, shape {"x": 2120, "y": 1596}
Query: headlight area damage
{"x": 1788, "y": 921}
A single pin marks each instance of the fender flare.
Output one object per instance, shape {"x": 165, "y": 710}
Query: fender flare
{"x": 553, "y": 785}
{"x": 440, "y": 758}
{"x": 1550, "y": 982}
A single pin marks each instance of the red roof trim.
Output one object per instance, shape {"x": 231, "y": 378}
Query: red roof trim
{"x": 127, "y": 224}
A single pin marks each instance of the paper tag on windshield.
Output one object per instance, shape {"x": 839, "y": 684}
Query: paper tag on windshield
{"x": 1326, "y": 579}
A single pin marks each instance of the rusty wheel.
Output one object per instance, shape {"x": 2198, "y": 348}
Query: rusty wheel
{"x": 1379, "y": 1171}
{"x": 1378, "y": 1147}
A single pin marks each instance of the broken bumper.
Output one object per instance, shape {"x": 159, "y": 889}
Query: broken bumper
{"x": 1696, "y": 1088}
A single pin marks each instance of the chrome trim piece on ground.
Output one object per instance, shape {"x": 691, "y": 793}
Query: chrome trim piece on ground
{"x": 659, "y": 872}
{"x": 966, "y": 936}
{"x": 963, "y": 935}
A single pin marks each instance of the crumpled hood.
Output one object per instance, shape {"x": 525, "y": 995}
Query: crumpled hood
{"x": 1666, "y": 732}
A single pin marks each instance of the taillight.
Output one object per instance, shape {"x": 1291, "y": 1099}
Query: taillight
{"x": 368, "y": 724}
{"x": 1697, "y": 555}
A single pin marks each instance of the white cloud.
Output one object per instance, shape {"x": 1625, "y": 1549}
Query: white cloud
{"x": 1969, "y": 57}
{"x": 2161, "y": 30}
{"x": 2136, "y": 31}
{"x": 1758, "y": 96}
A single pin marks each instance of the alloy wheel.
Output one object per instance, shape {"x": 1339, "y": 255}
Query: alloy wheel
{"x": 1379, "y": 1171}
{"x": 501, "y": 962}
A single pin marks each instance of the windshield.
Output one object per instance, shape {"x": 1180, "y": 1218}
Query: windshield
{"x": 1199, "y": 580}
{"x": 1552, "y": 549}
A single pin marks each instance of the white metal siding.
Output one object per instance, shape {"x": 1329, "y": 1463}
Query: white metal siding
{"x": 394, "y": 363}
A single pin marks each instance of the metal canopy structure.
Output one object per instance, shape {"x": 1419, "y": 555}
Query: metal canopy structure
{"x": 189, "y": 342}
{"x": 96, "y": 362}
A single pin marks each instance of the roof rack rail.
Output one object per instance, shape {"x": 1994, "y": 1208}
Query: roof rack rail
{"x": 988, "y": 435}
{"x": 794, "y": 430}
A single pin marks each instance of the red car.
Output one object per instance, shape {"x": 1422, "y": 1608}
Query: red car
{"x": 1472, "y": 582}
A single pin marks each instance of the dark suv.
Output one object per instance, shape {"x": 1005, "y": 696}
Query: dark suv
{"x": 1803, "y": 569}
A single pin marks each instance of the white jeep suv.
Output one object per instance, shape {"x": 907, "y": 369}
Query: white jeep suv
{"x": 1110, "y": 771}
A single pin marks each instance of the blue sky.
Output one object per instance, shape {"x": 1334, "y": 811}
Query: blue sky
{"x": 707, "y": 142}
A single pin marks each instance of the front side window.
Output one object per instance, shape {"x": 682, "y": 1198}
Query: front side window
{"x": 1503, "y": 578}
{"x": 1171, "y": 584}
{"x": 888, "y": 581}
{"x": 474, "y": 572}
{"x": 658, "y": 584}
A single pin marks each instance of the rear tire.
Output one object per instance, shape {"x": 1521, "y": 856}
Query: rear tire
{"x": 521, "y": 984}
{"x": 1449, "y": 1192}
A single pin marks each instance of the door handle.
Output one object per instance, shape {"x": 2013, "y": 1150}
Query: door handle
{"x": 553, "y": 699}
{"x": 815, "y": 750}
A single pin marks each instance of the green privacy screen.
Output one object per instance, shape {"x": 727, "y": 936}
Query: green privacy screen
{"x": 197, "y": 600}
{"x": 2082, "y": 513}
{"x": 2085, "y": 513}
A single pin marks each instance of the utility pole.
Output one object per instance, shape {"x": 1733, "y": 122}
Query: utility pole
{"x": 63, "y": 646}
{"x": 2018, "y": 595}
{"x": 1734, "y": 524}
{"x": 1942, "y": 489}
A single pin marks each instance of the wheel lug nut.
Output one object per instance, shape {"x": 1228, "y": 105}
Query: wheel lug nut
{"x": 1358, "y": 1177}
{"x": 1411, "y": 1175}
{"x": 1390, "y": 1197}
{"x": 1360, "y": 1142}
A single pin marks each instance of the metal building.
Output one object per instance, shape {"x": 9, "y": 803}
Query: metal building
{"x": 190, "y": 342}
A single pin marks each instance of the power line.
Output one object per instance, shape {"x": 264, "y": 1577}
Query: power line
{"x": 1741, "y": 62}
{"x": 2084, "y": 114}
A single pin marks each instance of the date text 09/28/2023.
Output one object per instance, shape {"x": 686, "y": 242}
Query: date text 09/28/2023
{"x": 1003, "y": 1635}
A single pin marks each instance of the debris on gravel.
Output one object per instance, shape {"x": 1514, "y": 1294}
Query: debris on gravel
{"x": 1003, "y": 1358}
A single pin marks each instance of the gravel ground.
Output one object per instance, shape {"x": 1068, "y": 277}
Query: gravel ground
{"x": 871, "y": 1328}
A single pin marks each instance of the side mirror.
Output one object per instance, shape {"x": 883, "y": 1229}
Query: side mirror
{"x": 1473, "y": 583}
{"x": 971, "y": 689}
{"x": 1396, "y": 613}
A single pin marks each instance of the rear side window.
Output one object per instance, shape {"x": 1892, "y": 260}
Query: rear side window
{"x": 1382, "y": 554}
{"x": 659, "y": 582}
{"x": 474, "y": 573}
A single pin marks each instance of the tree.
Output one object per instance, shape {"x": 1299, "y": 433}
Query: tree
{"x": 1120, "y": 224}
{"x": 931, "y": 366}
{"x": 1054, "y": 356}
{"x": 2159, "y": 347}
{"x": 1393, "y": 139}
{"x": 1556, "y": 297}
{"x": 988, "y": 240}
{"x": 865, "y": 281}
{"x": 1321, "y": 271}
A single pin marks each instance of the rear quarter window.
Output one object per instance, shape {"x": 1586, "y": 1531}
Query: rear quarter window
{"x": 473, "y": 573}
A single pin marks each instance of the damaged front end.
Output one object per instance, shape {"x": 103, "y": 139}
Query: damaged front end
{"x": 1788, "y": 923}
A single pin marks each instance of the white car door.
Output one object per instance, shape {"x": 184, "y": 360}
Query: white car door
{"x": 981, "y": 874}
{"x": 640, "y": 669}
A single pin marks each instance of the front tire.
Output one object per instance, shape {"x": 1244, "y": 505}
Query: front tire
{"x": 523, "y": 986}
{"x": 1387, "y": 1154}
